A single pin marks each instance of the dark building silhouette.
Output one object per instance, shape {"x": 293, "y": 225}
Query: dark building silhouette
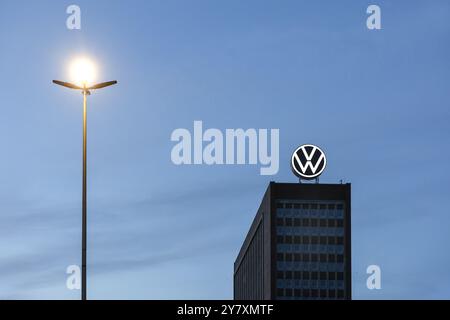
{"x": 298, "y": 246}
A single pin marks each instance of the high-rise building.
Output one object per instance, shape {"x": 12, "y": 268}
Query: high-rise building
{"x": 298, "y": 246}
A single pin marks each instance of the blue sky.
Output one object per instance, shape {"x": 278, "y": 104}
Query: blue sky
{"x": 377, "y": 102}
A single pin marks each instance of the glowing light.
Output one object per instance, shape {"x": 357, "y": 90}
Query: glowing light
{"x": 82, "y": 72}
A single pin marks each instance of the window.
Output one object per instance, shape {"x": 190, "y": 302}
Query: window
{"x": 280, "y": 206}
{"x": 323, "y": 293}
{"x": 340, "y": 240}
{"x": 323, "y": 258}
{"x": 314, "y": 206}
{"x": 340, "y": 276}
{"x": 280, "y": 239}
{"x": 332, "y": 258}
{"x": 288, "y": 292}
{"x": 280, "y": 257}
{"x": 314, "y": 240}
{"x": 314, "y": 223}
{"x": 280, "y": 275}
{"x": 331, "y": 294}
{"x": 323, "y": 223}
{"x": 314, "y": 275}
{"x": 297, "y": 257}
{"x": 297, "y": 222}
{"x": 289, "y": 257}
{"x": 323, "y": 240}
{"x": 331, "y": 207}
{"x": 331, "y": 275}
{"x": 288, "y": 222}
{"x": 323, "y": 276}
{"x": 297, "y": 275}
{"x": 306, "y": 293}
{"x": 305, "y": 206}
{"x": 314, "y": 257}
{"x": 288, "y": 274}
{"x": 296, "y": 206}
{"x": 288, "y": 239}
{"x": 305, "y": 240}
{"x": 280, "y": 292}
{"x": 331, "y": 223}
{"x": 305, "y": 257}
{"x": 340, "y": 223}
{"x": 279, "y": 221}
{"x": 288, "y": 206}
{"x": 314, "y": 293}
{"x": 305, "y": 275}
{"x": 297, "y": 239}
{"x": 323, "y": 206}
{"x": 331, "y": 240}
{"x": 340, "y": 206}
{"x": 297, "y": 293}
{"x": 305, "y": 222}
{"x": 340, "y": 294}
{"x": 340, "y": 258}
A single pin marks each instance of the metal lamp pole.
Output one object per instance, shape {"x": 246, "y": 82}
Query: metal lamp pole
{"x": 86, "y": 91}
{"x": 84, "y": 202}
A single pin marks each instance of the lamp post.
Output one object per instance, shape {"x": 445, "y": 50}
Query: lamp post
{"x": 86, "y": 90}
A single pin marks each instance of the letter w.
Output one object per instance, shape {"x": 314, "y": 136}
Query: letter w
{"x": 308, "y": 160}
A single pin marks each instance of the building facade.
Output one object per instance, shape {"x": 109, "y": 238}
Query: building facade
{"x": 298, "y": 246}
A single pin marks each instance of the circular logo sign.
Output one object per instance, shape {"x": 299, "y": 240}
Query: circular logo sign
{"x": 308, "y": 162}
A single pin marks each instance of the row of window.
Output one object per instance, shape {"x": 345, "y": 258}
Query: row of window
{"x": 313, "y": 257}
{"x": 306, "y": 275}
{"x": 311, "y": 266}
{"x": 308, "y": 206}
{"x": 310, "y": 240}
{"x": 310, "y": 284}
{"x": 299, "y": 248}
{"x": 297, "y": 222}
{"x": 310, "y": 293}
{"x": 291, "y": 231}
{"x": 310, "y": 213}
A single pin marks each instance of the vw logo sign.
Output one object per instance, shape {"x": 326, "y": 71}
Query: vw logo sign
{"x": 308, "y": 162}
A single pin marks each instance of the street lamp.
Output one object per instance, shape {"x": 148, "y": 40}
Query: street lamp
{"x": 83, "y": 74}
